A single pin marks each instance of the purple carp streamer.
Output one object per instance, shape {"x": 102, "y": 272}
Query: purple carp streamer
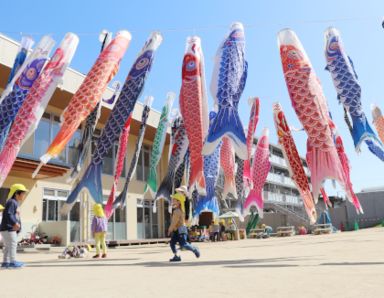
{"x": 25, "y": 45}
{"x": 228, "y": 82}
{"x": 12, "y": 102}
{"x": 348, "y": 89}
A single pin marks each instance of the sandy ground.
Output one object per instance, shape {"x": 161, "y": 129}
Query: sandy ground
{"x": 349, "y": 264}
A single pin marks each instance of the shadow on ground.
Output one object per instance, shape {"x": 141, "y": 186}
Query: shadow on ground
{"x": 352, "y": 264}
{"x": 243, "y": 263}
{"x": 77, "y": 260}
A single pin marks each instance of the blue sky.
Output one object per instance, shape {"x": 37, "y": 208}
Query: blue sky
{"x": 358, "y": 21}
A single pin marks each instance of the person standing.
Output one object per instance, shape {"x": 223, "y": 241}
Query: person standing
{"x": 11, "y": 225}
{"x": 99, "y": 230}
{"x": 178, "y": 230}
{"x": 222, "y": 230}
{"x": 214, "y": 230}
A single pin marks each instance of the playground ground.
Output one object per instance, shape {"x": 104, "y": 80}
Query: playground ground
{"x": 349, "y": 264}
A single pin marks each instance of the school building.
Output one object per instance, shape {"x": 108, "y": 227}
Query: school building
{"x": 41, "y": 209}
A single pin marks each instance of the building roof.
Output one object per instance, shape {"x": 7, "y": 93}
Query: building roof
{"x": 373, "y": 189}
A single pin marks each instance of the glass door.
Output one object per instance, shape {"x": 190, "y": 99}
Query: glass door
{"x": 140, "y": 219}
{"x": 147, "y": 222}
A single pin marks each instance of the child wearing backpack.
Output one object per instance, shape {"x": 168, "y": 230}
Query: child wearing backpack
{"x": 178, "y": 230}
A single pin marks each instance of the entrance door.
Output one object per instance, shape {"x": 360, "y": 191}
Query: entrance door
{"x": 147, "y": 223}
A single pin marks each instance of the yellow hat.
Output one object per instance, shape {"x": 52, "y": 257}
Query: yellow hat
{"x": 181, "y": 198}
{"x": 98, "y": 210}
{"x": 16, "y": 187}
{"x": 1, "y": 208}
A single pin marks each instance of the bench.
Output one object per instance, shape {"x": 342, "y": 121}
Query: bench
{"x": 285, "y": 231}
{"x": 322, "y": 229}
{"x": 256, "y": 233}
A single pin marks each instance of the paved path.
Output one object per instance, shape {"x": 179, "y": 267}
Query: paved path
{"x": 349, "y": 264}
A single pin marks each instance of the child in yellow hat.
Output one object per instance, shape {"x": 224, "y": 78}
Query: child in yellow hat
{"x": 99, "y": 230}
{"x": 11, "y": 225}
{"x": 177, "y": 230}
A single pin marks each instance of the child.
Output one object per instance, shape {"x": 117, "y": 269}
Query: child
{"x": 177, "y": 230}
{"x": 222, "y": 230}
{"x": 99, "y": 229}
{"x": 214, "y": 229}
{"x": 11, "y": 225}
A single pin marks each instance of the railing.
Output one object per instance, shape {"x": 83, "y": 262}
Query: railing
{"x": 281, "y": 161}
{"x": 280, "y": 179}
{"x": 300, "y": 218}
{"x": 282, "y": 198}
{"x": 278, "y": 160}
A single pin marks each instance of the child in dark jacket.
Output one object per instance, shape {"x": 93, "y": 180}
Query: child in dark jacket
{"x": 99, "y": 230}
{"x": 10, "y": 225}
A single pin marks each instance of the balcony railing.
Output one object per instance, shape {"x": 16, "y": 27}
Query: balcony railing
{"x": 282, "y": 198}
{"x": 278, "y": 160}
{"x": 280, "y": 179}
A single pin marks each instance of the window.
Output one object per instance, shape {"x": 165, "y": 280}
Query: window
{"x": 108, "y": 163}
{"x": 74, "y": 214}
{"x": 42, "y": 136}
{"x": 120, "y": 214}
{"x": 55, "y": 127}
{"x": 277, "y": 152}
{"x": 117, "y": 227}
{"x": 46, "y": 131}
{"x": 53, "y": 200}
{"x": 73, "y": 153}
{"x": 142, "y": 169}
{"x": 279, "y": 171}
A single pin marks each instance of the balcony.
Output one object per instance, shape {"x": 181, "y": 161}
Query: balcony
{"x": 24, "y": 167}
{"x": 278, "y": 160}
{"x": 281, "y": 179}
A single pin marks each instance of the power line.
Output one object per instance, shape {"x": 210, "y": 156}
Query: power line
{"x": 216, "y": 27}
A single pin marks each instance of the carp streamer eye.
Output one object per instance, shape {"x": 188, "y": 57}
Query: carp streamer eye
{"x": 334, "y": 46}
{"x": 31, "y": 73}
{"x": 237, "y": 34}
{"x": 143, "y": 62}
{"x": 191, "y": 65}
{"x": 293, "y": 54}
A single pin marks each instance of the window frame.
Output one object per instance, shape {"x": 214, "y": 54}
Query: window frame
{"x": 51, "y": 119}
{"x": 56, "y": 198}
{"x": 144, "y": 149}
